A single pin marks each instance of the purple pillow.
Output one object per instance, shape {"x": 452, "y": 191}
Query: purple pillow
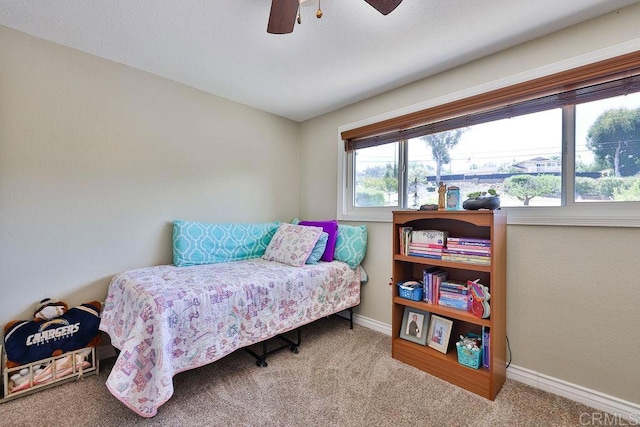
{"x": 331, "y": 228}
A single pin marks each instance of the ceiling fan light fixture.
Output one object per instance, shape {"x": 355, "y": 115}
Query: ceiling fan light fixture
{"x": 285, "y": 13}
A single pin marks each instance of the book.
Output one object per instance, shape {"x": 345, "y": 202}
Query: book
{"x": 468, "y": 240}
{"x": 486, "y": 347}
{"x": 426, "y": 278}
{"x": 474, "y": 247}
{"x": 467, "y": 259}
{"x": 453, "y": 296}
{"x": 427, "y": 245}
{"x": 432, "y": 256}
{"x": 469, "y": 248}
{"x": 437, "y": 279}
{"x": 466, "y": 252}
{"x": 425, "y": 250}
{"x": 454, "y": 285}
{"x": 431, "y": 288}
{"x": 445, "y": 287}
{"x": 405, "y": 238}
{"x": 458, "y": 305}
{"x": 435, "y": 237}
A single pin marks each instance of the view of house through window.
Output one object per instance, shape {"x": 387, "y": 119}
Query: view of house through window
{"x": 521, "y": 158}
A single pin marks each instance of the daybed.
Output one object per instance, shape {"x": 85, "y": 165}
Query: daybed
{"x": 231, "y": 286}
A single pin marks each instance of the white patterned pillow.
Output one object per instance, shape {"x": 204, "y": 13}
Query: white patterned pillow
{"x": 292, "y": 244}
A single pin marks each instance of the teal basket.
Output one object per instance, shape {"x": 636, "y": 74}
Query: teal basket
{"x": 469, "y": 357}
{"x": 414, "y": 294}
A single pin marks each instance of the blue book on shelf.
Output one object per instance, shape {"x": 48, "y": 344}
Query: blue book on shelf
{"x": 425, "y": 255}
{"x": 486, "y": 348}
{"x": 460, "y": 305}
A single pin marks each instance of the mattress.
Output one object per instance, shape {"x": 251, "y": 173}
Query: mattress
{"x": 168, "y": 319}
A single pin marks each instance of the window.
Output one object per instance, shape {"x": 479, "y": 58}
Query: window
{"x": 490, "y": 155}
{"x": 376, "y": 176}
{"x": 549, "y": 149}
{"x": 607, "y": 161}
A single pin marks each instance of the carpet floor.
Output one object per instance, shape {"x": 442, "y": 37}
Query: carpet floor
{"x": 340, "y": 377}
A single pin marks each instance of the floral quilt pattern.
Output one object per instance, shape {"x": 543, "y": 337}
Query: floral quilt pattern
{"x": 168, "y": 319}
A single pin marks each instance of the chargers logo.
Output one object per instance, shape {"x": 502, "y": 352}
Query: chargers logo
{"x": 45, "y": 334}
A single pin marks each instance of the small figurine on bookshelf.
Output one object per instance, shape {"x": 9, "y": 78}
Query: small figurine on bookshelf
{"x": 442, "y": 194}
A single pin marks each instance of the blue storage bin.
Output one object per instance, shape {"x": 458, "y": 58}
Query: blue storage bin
{"x": 414, "y": 293}
{"x": 469, "y": 357}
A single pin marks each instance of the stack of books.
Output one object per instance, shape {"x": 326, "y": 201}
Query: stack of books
{"x": 427, "y": 243}
{"x": 454, "y": 294}
{"x": 432, "y": 278}
{"x": 468, "y": 250}
{"x": 405, "y": 239}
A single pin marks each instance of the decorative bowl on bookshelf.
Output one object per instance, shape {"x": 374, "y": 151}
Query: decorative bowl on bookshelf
{"x": 489, "y": 199}
{"x": 490, "y": 202}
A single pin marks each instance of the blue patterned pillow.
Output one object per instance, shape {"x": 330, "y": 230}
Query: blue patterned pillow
{"x": 318, "y": 249}
{"x": 197, "y": 243}
{"x": 351, "y": 244}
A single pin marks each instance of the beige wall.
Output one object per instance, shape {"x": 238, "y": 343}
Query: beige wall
{"x": 573, "y": 292}
{"x": 97, "y": 159}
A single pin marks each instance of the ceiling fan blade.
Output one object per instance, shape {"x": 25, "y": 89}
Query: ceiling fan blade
{"x": 282, "y": 17}
{"x": 385, "y": 7}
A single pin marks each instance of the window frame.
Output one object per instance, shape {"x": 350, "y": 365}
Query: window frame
{"x": 616, "y": 214}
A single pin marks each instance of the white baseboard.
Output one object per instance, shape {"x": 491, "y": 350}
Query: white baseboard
{"x": 372, "y": 324}
{"x": 594, "y": 399}
{"x": 626, "y": 410}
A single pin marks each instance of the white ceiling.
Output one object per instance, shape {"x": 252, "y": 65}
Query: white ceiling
{"x": 352, "y": 53}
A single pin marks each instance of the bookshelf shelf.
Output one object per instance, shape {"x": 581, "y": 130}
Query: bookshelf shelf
{"x": 440, "y": 263}
{"x": 440, "y": 310}
{"x": 485, "y": 381}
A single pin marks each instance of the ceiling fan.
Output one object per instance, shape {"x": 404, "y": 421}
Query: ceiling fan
{"x": 283, "y": 13}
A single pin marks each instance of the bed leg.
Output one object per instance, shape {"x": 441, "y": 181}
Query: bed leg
{"x": 349, "y": 319}
{"x": 261, "y": 359}
{"x": 293, "y": 346}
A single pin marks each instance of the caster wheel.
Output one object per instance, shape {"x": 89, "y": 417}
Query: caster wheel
{"x": 261, "y": 363}
{"x": 294, "y": 350}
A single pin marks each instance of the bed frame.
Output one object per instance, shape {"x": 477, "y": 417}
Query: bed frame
{"x": 261, "y": 359}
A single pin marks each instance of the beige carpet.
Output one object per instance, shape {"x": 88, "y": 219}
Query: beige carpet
{"x": 340, "y": 377}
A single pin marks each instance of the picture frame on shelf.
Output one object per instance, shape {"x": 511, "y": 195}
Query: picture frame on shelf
{"x": 439, "y": 333}
{"x": 415, "y": 324}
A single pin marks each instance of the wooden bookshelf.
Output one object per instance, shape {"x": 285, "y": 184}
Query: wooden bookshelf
{"x": 485, "y": 224}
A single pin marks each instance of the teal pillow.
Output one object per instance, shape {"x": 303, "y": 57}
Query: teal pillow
{"x": 197, "y": 243}
{"x": 351, "y": 244}
{"x": 318, "y": 249}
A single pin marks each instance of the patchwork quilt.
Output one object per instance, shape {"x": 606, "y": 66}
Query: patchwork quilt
{"x": 168, "y": 319}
